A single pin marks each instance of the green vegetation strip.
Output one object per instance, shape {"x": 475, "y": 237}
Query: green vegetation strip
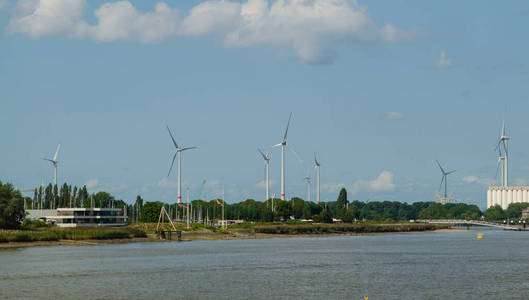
{"x": 69, "y": 234}
{"x": 341, "y": 228}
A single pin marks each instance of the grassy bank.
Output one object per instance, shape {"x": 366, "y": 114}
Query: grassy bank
{"x": 55, "y": 234}
{"x": 345, "y": 228}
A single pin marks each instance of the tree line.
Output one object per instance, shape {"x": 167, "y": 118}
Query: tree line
{"x": 51, "y": 197}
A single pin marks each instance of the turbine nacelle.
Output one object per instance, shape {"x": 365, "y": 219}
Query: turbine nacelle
{"x": 266, "y": 157}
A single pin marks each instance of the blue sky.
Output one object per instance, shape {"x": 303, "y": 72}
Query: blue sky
{"x": 379, "y": 89}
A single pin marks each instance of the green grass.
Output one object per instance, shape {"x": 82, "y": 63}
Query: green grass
{"x": 55, "y": 234}
{"x": 341, "y": 228}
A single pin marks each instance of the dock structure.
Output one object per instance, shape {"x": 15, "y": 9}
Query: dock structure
{"x": 468, "y": 223}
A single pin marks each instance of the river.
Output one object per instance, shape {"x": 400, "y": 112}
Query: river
{"x": 392, "y": 266}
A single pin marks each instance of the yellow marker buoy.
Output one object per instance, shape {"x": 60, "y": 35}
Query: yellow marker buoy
{"x": 480, "y": 236}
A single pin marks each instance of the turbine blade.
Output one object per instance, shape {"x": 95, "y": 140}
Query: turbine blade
{"x": 172, "y": 138}
{"x": 316, "y": 160}
{"x": 264, "y": 156}
{"x": 451, "y": 172}
{"x": 498, "y": 146}
{"x": 442, "y": 170}
{"x": 188, "y": 148}
{"x": 57, "y": 152}
{"x": 441, "y": 185}
{"x": 172, "y": 163}
{"x": 288, "y": 125}
{"x": 497, "y": 170}
{"x": 276, "y": 145}
{"x": 296, "y": 155}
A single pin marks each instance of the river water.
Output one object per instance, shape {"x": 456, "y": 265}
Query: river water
{"x": 394, "y": 266}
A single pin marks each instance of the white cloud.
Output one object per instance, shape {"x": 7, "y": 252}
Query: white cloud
{"x": 36, "y": 18}
{"x": 393, "y": 115}
{"x": 481, "y": 181}
{"x": 383, "y": 183}
{"x": 120, "y": 21}
{"x": 314, "y": 29}
{"x": 332, "y": 188}
{"x": 444, "y": 61}
{"x": 92, "y": 183}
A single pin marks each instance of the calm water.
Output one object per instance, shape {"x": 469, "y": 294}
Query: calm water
{"x": 401, "y": 266}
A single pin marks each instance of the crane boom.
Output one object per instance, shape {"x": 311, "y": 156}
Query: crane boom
{"x": 201, "y": 189}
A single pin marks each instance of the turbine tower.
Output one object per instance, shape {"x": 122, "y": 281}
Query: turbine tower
{"x": 504, "y": 141}
{"x": 317, "y": 167}
{"x": 178, "y": 153}
{"x": 266, "y": 158}
{"x": 501, "y": 161}
{"x": 307, "y": 178}
{"x": 444, "y": 179}
{"x": 283, "y": 144}
{"x": 54, "y": 161}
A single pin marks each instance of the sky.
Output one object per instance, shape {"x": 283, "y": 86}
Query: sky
{"x": 379, "y": 90}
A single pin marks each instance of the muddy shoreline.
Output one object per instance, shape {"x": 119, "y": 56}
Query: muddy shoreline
{"x": 203, "y": 236}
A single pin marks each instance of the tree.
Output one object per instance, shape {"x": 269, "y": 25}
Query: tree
{"x": 151, "y": 211}
{"x": 514, "y": 211}
{"x": 11, "y": 207}
{"x": 324, "y": 217}
{"x": 494, "y": 213}
{"x": 350, "y": 214}
{"x": 341, "y": 203}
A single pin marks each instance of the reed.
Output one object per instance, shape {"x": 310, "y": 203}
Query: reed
{"x": 54, "y": 234}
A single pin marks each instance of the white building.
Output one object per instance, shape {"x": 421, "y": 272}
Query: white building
{"x": 505, "y": 195}
{"x": 81, "y": 217}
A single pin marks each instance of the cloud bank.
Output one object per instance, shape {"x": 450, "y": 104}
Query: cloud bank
{"x": 313, "y": 29}
{"x": 383, "y": 183}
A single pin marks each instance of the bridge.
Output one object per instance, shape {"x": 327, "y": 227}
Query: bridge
{"x": 467, "y": 223}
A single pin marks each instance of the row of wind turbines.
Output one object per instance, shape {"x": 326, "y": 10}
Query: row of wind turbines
{"x": 502, "y": 148}
{"x": 267, "y": 157}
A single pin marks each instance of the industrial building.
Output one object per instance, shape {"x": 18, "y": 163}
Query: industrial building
{"x": 504, "y": 194}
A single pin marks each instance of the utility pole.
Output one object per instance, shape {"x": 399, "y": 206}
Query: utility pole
{"x": 188, "y": 220}
{"x": 223, "y": 201}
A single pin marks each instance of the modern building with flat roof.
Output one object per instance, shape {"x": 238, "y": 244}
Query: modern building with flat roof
{"x": 83, "y": 217}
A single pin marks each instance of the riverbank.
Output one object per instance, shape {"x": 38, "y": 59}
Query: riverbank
{"x": 97, "y": 236}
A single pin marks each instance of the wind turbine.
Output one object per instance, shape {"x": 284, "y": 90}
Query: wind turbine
{"x": 317, "y": 167}
{"x": 504, "y": 140}
{"x": 178, "y": 153}
{"x": 283, "y": 144}
{"x": 54, "y": 161}
{"x": 266, "y": 158}
{"x": 444, "y": 179}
